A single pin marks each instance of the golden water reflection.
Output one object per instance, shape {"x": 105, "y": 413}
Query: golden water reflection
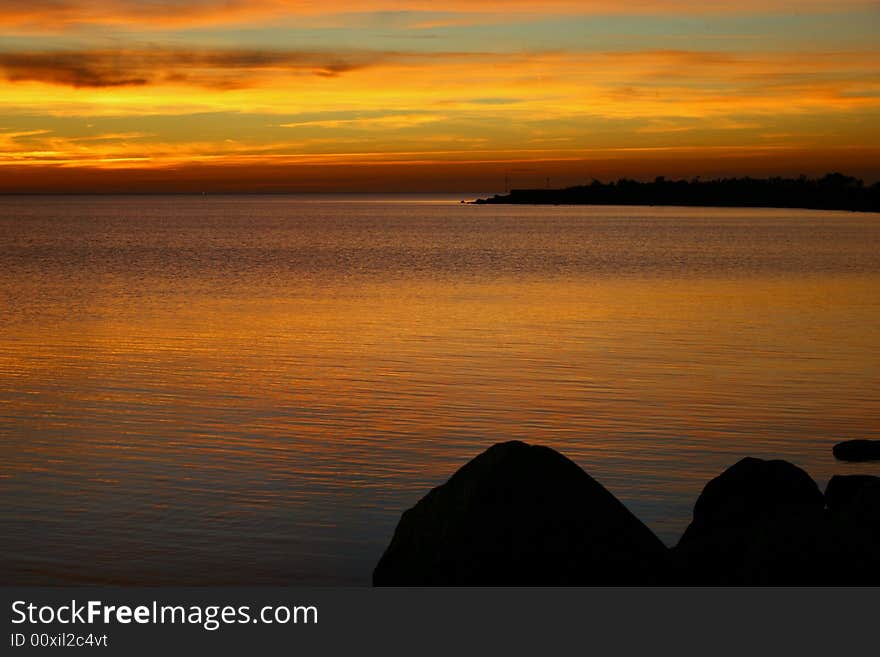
{"x": 275, "y": 435}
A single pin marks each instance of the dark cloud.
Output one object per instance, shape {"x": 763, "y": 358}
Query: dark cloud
{"x": 217, "y": 69}
{"x": 70, "y": 69}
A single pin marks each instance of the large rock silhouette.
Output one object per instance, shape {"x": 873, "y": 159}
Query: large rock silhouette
{"x": 758, "y": 523}
{"x": 523, "y": 515}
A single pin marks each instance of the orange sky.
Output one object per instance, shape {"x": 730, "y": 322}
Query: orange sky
{"x": 385, "y": 95}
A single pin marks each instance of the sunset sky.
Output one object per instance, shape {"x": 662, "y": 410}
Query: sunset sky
{"x": 448, "y": 95}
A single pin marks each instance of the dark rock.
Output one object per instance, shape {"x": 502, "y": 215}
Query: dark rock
{"x": 751, "y": 488}
{"x": 862, "y": 507}
{"x": 520, "y": 515}
{"x": 866, "y": 502}
{"x": 758, "y": 523}
{"x": 853, "y": 531}
{"x": 843, "y": 489}
{"x": 857, "y": 450}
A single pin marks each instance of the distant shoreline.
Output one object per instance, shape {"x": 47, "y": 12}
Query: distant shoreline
{"x": 492, "y": 201}
{"x": 833, "y": 191}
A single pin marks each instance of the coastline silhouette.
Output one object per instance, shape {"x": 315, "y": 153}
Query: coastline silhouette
{"x": 833, "y": 191}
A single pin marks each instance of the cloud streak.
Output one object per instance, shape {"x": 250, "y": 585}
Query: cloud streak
{"x": 625, "y": 73}
{"x": 132, "y": 68}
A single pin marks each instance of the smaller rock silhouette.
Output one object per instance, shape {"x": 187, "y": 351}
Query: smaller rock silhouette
{"x": 853, "y": 539}
{"x": 843, "y": 489}
{"x": 758, "y": 523}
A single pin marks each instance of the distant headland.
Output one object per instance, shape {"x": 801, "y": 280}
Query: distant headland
{"x": 834, "y": 191}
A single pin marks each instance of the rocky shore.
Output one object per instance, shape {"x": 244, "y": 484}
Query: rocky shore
{"x": 526, "y": 515}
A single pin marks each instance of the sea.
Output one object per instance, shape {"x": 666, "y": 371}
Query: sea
{"x": 221, "y": 389}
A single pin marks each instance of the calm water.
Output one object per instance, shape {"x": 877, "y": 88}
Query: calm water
{"x": 251, "y": 389}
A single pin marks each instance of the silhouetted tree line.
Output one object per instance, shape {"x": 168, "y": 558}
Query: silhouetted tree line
{"x": 833, "y": 191}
